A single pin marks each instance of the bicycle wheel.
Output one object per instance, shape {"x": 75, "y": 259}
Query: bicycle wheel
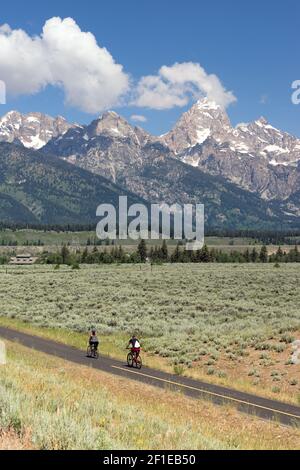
{"x": 89, "y": 351}
{"x": 96, "y": 354}
{"x": 130, "y": 360}
{"x": 138, "y": 362}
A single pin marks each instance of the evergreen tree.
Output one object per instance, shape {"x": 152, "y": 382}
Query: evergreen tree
{"x": 175, "y": 258}
{"x": 84, "y": 255}
{"x": 247, "y": 256}
{"x": 204, "y": 255}
{"x": 185, "y": 256}
{"x": 263, "y": 256}
{"x": 155, "y": 255}
{"x": 164, "y": 255}
{"x": 279, "y": 255}
{"x": 254, "y": 256}
{"x": 293, "y": 256}
{"x": 142, "y": 251}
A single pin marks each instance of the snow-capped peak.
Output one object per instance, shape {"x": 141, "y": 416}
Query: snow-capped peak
{"x": 33, "y": 130}
{"x": 207, "y": 104}
{"x": 207, "y": 122}
{"x": 266, "y": 141}
{"x": 261, "y": 122}
{"x": 205, "y": 119}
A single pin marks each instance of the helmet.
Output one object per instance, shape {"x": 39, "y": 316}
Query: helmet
{"x": 93, "y": 331}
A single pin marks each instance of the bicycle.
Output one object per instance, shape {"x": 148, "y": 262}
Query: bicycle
{"x": 92, "y": 352}
{"x": 134, "y": 360}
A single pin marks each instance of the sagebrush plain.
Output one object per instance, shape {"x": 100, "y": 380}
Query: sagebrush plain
{"x": 231, "y": 323}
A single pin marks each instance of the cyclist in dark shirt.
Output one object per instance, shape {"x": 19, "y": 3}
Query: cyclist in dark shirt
{"x": 93, "y": 340}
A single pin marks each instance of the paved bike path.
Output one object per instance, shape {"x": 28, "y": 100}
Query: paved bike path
{"x": 262, "y": 407}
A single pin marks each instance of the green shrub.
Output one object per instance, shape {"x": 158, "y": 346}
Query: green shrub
{"x": 276, "y": 379}
{"x": 75, "y": 266}
{"x": 279, "y": 348}
{"x": 288, "y": 339}
{"x": 222, "y": 375}
{"x": 178, "y": 369}
{"x": 294, "y": 382}
{"x": 274, "y": 373}
{"x": 210, "y": 362}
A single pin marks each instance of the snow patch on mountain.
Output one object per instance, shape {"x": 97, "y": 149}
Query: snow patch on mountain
{"x": 202, "y": 135}
{"x": 33, "y": 130}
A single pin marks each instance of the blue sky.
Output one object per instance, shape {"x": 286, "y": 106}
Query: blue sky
{"x": 252, "y": 47}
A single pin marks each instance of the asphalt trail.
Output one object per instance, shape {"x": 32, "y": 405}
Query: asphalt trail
{"x": 265, "y": 408}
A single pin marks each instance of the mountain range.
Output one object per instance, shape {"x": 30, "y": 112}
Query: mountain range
{"x": 33, "y": 130}
{"x": 37, "y": 189}
{"x": 255, "y": 156}
{"x": 247, "y": 176}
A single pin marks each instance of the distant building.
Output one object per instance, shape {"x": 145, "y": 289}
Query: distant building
{"x": 21, "y": 260}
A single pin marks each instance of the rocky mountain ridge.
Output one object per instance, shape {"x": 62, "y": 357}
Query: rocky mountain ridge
{"x": 33, "y": 130}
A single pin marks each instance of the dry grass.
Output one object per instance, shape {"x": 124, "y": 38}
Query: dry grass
{"x": 10, "y": 440}
{"x": 55, "y": 405}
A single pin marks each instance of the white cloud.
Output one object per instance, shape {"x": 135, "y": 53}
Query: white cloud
{"x": 62, "y": 56}
{"x": 138, "y": 118}
{"x": 68, "y": 58}
{"x": 177, "y": 84}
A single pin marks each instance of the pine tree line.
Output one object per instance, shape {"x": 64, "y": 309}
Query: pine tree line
{"x": 161, "y": 254}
